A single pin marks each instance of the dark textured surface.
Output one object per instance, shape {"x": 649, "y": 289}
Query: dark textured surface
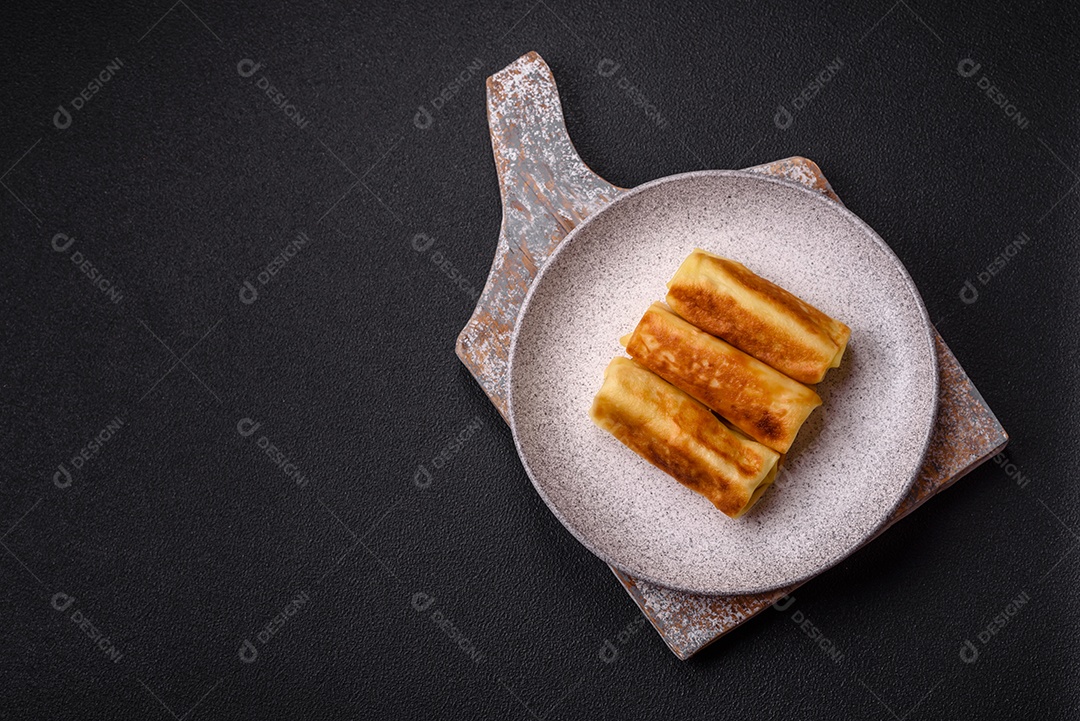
{"x": 180, "y": 539}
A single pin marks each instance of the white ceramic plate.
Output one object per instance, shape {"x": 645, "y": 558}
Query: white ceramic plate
{"x": 854, "y": 459}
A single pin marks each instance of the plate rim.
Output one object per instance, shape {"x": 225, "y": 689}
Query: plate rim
{"x": 909, "y": 284}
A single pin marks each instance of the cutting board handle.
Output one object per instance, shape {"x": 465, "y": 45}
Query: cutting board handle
{"x": 532, "y": 148}
{"x": 546, "y": 191}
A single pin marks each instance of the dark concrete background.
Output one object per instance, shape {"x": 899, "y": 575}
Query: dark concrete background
{"x": 180, "y": 538}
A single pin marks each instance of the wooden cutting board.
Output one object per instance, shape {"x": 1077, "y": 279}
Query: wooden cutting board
{"x": 546, "y": 191}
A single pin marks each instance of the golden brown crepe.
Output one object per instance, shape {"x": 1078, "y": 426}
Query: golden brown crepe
{"x": 758, "y": 400}
{"x": 727, "y": 299}
{"x": 682, "y": 437}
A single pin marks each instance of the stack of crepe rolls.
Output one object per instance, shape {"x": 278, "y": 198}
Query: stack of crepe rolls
{"x": 730, "y": 341}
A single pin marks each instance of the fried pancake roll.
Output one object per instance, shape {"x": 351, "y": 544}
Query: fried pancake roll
{"x": 728, "y": 300}
{"x": 682, "y": 437}
{"x": 759, "y": 400}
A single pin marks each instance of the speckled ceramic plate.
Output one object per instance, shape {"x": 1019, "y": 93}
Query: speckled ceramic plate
{"x": 854, "y": 459}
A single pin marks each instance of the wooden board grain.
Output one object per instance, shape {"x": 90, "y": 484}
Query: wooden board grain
{"x": 546, "y": 191}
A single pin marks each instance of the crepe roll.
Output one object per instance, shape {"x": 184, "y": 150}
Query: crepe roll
{"x": 681, "y": 437}
{"x": 757, "y": 399}
{"x": 730, "y": 301}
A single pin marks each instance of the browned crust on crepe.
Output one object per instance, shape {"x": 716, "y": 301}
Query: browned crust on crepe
{"x": 757, "y": 399}
{"x": 681, "y": 437}
{"x": 728, "y": 300}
